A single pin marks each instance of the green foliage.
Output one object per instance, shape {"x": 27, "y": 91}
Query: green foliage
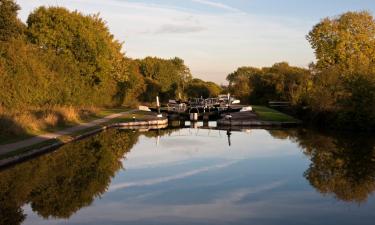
{"x": 152, "y": 76}
{"x": 134, "y": 86}
{"x": 279, "y": 82}
{"x": 345, "y": 40}
{"x": 358, "y": 105}
{"x": 25, "y": 78}
{"x": 87, "y": 43}
{"x": 343, "y": 85}
{"x": 338, "y": 91}
{"x": 67, "y": 58}
{"x": 240, "y": 82}
{"x": 197, "y": 88}
{"x": 10, "y": 25}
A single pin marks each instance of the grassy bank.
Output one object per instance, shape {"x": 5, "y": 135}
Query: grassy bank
{"x": 134, "y": 116}
{"x": 19, "y": 125}
{"x": 267, "y": 114}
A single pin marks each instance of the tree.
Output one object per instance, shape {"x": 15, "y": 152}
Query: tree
{"x": 279, "y": 82}
{"x": 134, "y": 86}
{"x": 240, "y": 84}
{"x": 87, "y": 41}
{"x": 10, "y": 25}
{"x": 343, "y": 82}
{"x": 164, "y": 77}
{"x": 198, "y": 88}
{"x": 290, "y": 82}
{"x": 344, "y": 40}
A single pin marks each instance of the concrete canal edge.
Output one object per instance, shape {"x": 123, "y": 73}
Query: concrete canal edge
{"x": 48, "y": 148}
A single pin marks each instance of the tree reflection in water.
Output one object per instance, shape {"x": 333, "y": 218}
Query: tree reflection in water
{"x": 341, "y": 165}
{"x": 58, "y": 184}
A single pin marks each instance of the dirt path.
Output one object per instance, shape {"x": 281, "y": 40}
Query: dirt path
{"x": 48, "y": 136}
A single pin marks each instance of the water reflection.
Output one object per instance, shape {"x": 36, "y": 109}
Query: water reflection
{"x": 341, "y": 165}
{"x": 59, "y": 184}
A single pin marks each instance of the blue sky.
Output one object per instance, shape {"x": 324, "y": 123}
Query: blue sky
{"x": 214, "y": 37}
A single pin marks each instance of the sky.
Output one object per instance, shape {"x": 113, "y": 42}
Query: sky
{"x": 214, "y": 37}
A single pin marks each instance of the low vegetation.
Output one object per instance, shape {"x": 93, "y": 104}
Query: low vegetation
{"x": 21, "y": 124}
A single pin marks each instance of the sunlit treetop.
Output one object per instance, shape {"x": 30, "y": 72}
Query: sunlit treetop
{"x": 345, "y": 40}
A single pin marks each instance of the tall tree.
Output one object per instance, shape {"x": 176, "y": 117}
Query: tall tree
{"x": 87, "y": 41}
{"x": 10, "y": 25}
{"x": 345, "y": 40}
{"x": 344, "y": 87}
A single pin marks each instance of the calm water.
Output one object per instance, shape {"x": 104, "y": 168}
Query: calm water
{"x": 192, "y": 176}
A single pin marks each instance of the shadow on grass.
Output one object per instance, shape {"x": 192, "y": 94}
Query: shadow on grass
{"x": 9, "y": 129}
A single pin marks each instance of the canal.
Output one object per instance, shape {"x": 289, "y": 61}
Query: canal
{"x": 196, "y": 176}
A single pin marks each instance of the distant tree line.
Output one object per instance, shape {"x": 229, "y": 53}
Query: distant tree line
{"x": 168, "y": 79}
{"x": 338, "y": 90}
{"x": 62, "y": 57}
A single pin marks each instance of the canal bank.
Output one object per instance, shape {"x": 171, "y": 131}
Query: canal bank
{"x": 29, "y": 148}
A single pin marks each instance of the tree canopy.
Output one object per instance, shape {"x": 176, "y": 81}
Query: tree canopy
{"x": 197, "y": 88}
{"x": 260, "y": 85}
{"x": 345, "y": 40}
{"x": 10, "y": 25}
{"x": 344, "y": 80}
{"x": 68, "y": 58}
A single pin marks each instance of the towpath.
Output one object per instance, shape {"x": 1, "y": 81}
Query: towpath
{"x": 4, "y": 149}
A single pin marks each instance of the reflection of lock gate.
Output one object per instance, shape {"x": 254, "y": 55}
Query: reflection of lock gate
{"x": 194, "y": 126}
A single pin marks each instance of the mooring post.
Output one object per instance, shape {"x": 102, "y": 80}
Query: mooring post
{"x": 158, "y": 106}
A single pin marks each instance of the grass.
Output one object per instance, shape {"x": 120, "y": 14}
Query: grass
{"x": 139, "y": 115}
{"x": 33, "y": 126}
{"x": 107, "y": 112}
{"x": 268, "y": 114}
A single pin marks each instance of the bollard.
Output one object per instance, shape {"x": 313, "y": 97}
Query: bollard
{"x": 193, "y": 116}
